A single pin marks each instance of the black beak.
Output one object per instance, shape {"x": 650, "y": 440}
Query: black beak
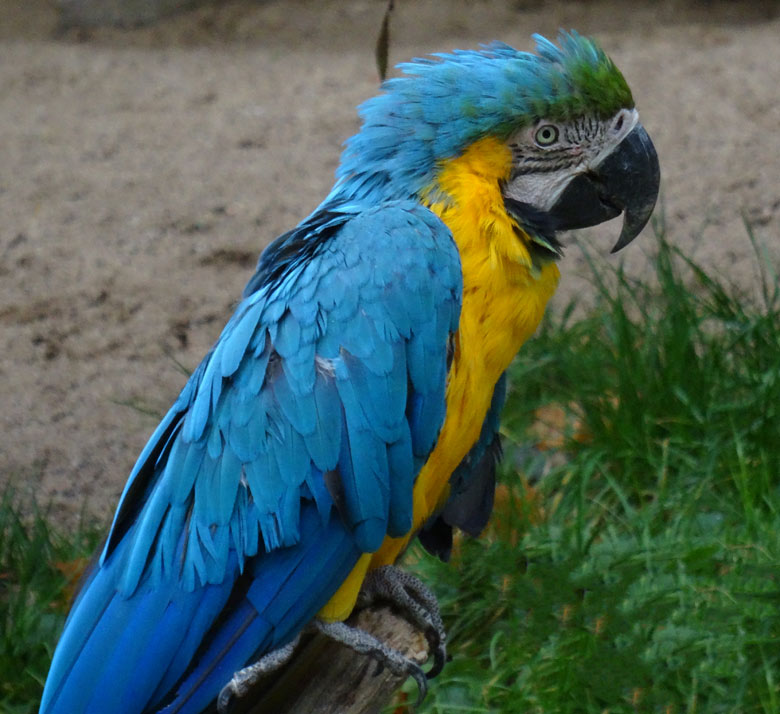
{"x": 625, "y": 182}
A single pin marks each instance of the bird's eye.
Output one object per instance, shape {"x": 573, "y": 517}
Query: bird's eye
{"x": 546, "y": 135}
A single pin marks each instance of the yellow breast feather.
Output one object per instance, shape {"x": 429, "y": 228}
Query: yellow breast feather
{"x": 504, "y": 297}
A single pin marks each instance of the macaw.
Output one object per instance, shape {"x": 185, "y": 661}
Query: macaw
{"x": 352, "y": 401}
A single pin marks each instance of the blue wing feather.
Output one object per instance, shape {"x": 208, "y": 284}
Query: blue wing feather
{"x": 291, "y": 450}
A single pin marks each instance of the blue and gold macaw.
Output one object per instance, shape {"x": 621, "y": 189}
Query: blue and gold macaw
{"x": 352, "y": 400}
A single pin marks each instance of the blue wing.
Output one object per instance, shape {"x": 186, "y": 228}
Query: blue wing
{"x": 291, "y": 451}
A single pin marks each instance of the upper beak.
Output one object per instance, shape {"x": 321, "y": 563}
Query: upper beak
{"x": 626, "y": 182}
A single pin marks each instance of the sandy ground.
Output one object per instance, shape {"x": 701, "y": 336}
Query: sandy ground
{"x": 141, "y": 172}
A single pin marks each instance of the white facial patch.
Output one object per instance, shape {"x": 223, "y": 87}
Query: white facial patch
{"x": 540, "y": 190}
{"x": 542, "y": 172}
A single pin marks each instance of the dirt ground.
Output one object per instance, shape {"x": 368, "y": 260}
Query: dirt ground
{"x": 141, "y": 172}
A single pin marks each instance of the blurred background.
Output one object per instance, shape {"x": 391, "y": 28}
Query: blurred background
{"x": 143, "y": 169}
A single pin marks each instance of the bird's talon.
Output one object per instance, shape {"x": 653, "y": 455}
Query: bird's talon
{"x": 365, "y": 643}
{"x": 422, "y": 686}
{"x": 416, "y": 603}
{"x": 440, "y": 658}
{"x": 243, "y": 680}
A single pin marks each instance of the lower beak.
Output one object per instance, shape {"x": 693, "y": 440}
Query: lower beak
{"x": 626, "y": 182}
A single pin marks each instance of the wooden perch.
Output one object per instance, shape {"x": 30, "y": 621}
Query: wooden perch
{"x": 325, "y": 677}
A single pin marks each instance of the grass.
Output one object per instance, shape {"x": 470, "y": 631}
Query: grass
{"x": 631, "y": 566}
{"x": 38, "y": 564}
{"x": 641, "y": 572}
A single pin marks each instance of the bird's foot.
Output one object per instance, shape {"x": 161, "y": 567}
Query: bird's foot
{"x": 243, "y": 680}
{"x": 414, "y": 601}
{"x": 365, "y": 643}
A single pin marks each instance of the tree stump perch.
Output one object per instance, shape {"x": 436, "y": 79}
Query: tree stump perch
{"x": 325, "y": 677}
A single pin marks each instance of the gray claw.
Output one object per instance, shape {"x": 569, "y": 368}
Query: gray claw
{"x": 365, "y": 643}
{"x": 243, "y": 680}
{"x": 416, "y": 603}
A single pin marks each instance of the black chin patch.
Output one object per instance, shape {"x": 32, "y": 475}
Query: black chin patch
{"x": 540, "y": 226}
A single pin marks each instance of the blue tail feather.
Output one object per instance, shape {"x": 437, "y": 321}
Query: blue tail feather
{"x": 168, "y": 647}
{"x": 279, "y": 590}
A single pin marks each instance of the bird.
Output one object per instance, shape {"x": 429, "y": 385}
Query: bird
{"x": 352, "y": 402}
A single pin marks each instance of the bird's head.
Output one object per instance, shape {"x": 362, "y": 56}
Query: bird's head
{"x": 584, "y": 157}
{"x": 578, "y": 153}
